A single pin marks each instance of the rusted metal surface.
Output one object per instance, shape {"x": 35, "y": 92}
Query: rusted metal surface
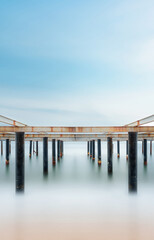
{"x": 10, "y": 121}
{"x": 118, "y": 129}
{"x": 77, "y": 137}
{"x": 142, "y": 121}
{"x": 104, "y": 135}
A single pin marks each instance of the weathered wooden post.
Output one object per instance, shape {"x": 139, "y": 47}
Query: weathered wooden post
{"x": 88, "y": 148}
{"x": 99, "y": 151}
{"x": 127, "y": 149}
{"x": 36, "y": 148}
{"x": 7, "y": 151}
{"x": 10, "y": 146}
{"x": 33, "y": 147}
{"x": 109, "y": 155}
{"x": 53, "y": 152}
{"x": 1, "y": 147}
{"x": 45, "y": 155}
{"x": 62, "y": 147}
{"x": 20, "y": 159}
{"x": 132, "y": 161}
{"x": 118, "y": 149}
{"x": 93, "y": 149}
{"x": 145, "y": 151}
{"x": 58, "y": 149}
{"x": 30, "y": 148}
{"x": 150, "y": 147}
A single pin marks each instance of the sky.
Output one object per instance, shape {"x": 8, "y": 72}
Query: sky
{"x": 76, "y": 62}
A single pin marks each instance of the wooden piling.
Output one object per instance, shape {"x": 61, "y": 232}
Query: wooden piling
{"x": 118, "y": 149}
{"x": 1, "y": 147}
{"x": 36, "y": 148}
{"x": 53, "y": 152}
{"x": 45, "y": 155}
{"x": 132, "y": 161}
{"x": 99, "y": 151}
{"x": 145, "y": 151}
{"x": 88, "y": 148}
{"x": 7, "y": 151}
{"x": 109, "y": 154}
{"x": 20, "y": 159}
{"x": 30, "y": 148}
{"x": 93, "y": 150}
{"x": 150, "y": 147}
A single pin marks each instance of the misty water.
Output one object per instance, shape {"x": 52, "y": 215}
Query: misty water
{"x": 77, "y": 190}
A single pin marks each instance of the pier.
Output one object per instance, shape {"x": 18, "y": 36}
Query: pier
{"x": 93, "y": 135}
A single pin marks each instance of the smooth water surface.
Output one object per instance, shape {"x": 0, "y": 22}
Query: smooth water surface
{"x": 78, "y": 199}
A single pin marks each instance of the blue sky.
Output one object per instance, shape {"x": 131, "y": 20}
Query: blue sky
{"x": 76, "y": 62}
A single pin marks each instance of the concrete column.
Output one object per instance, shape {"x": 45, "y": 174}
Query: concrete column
{"x": 58, "y": 149}
{"x": 145, "y": 151}
{"x": 20, "y": 159}
{"x": 45, "y": 155}
{"x": 99, "y": 151}
{"x": 88, "y": 148}
{"x": 93, "y": 149}
{"x": 1, "y": 147}
{"x": 142, "y": 146}
{"x": 36, "y": 148}
{"x": 53, "y": 152}
{"x": 109, "y": 154}
{"x": 7, "y": 151}
{"x": 132, "y": 161}
{"x": 150, "y": 147}
{"x": 127, "y": 149}
{"x": 30, "y": 148}
{"x": 118, "y": 149}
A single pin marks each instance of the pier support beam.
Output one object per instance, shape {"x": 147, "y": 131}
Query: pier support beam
{"x": 93, "y": 150}
{"x": 53, "y": 152}
{"x": 7, "y": 151}
{"x": 150, "y": 147}
{"x": 127, "y": 149}
{"x": 118, "y": 149}
{"x": 20, "y": 159}
{"x": 109, "y": 154}
{"x": 36, "y": 148}
{"x": 45, "y": 155}
{"x": 132, "y": 161}
{"x": 58, "y": 149}
{"x": 88, "y": 148}
{"x": 99, "y": 151}
{"x": 142, "y": 146}
{"x": 1, "y": 147}
{"x": 145, "y": 151}
{"x": 30, "y": 148}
